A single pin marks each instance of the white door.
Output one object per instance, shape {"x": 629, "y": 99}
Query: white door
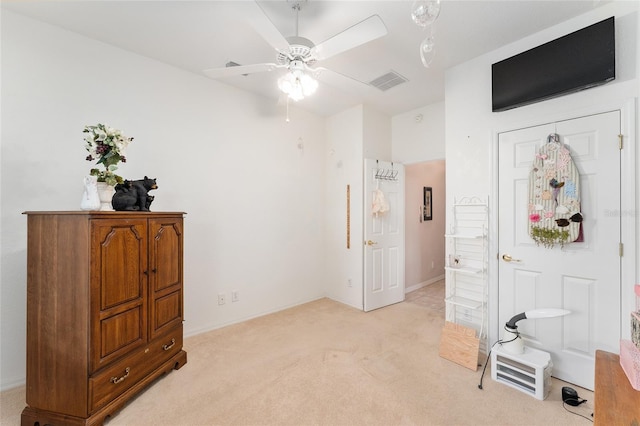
{"x": 383, "y": 235}
{"x": 583, "y": 277}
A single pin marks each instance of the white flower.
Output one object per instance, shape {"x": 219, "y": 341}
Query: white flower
{"x": 121, "y": 145}
{"x": 100, "y": 135}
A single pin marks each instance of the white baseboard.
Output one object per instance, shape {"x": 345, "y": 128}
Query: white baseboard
{"x": 423, "y": 284}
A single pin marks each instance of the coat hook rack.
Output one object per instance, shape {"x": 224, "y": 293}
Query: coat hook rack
{"x": 386, "y": 174}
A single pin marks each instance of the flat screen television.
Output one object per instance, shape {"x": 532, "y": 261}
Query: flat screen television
{"x": 577, "y": 61}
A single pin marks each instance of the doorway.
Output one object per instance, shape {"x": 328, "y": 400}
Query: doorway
{"x": 424, "y": 238}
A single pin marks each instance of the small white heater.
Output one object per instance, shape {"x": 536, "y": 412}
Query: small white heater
{"x": 528, "y": 372}
{"x": 525, "y": 369}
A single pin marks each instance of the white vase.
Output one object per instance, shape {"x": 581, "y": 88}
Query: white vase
{"x": 90, "y": 199}
{"x": 105, "y": 192}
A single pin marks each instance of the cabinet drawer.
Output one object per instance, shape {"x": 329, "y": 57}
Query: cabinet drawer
{"x": 126, "y": 372}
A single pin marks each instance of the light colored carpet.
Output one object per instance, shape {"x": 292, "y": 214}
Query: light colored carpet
{"x": 324, "y": 363}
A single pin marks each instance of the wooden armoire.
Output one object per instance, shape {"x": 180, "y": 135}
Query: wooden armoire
{"x": 104, "y": 311}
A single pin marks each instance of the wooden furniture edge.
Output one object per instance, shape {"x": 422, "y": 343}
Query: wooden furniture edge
{"x": 98, "y": 213}
{"x": 31, "y": 416}
{"x": 609, "y": 408}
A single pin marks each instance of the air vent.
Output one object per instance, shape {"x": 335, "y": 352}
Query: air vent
{"x": 388, "y": 80}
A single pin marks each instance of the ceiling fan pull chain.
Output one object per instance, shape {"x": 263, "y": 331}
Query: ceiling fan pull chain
{"x": 287, "y": 109}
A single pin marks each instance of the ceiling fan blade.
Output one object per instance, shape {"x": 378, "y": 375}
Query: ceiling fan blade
{"x": 263, "y": 26}
{"x": 233, "y": 70}
{"x": 361, "y": 33}
{"x": 340, "y": 81}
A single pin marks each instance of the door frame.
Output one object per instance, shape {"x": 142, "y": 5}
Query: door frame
{"x": 629, "y": 220}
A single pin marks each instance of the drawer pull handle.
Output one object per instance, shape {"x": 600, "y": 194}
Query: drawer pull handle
{"x": 116, "y": 380}
{"x": 170, "y": 345}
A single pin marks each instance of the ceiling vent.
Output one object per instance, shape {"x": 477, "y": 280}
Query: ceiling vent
{"x": 388, "y": 80}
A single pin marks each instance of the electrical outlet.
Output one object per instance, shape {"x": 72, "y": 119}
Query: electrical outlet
{"x": 222, "y": 299}
{"x": 235, "y": 296}
{"x": 349, "y": 283}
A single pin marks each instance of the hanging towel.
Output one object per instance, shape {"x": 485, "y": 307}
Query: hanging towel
{"x": 379, "y": 204}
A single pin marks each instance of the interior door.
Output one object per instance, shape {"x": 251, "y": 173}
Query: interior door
{"x": 583, "y": 277}
{"x": 383, "y": 235}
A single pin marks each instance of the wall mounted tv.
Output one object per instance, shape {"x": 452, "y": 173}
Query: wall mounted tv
{"x": 577, "y": 61}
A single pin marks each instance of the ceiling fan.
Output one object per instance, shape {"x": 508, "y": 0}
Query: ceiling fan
{"x": 299, "y": 55}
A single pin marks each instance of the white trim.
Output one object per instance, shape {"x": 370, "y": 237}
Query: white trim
{"x": 424, "y": 284}
{"x": 630, "y": 214}
{"x": 210, "y": 327}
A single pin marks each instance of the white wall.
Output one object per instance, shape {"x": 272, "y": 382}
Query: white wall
{"x": 352, "y": 135}
{"x": 377, "y": 135}
{"x": 254, "y": 200}
{"x": 344, "y": 167}
{"x": 471, "y": 127}
{"x": 418, "y": 135}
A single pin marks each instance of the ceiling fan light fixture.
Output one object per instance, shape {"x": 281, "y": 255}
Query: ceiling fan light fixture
{"x": 296, "y": 84}
{"x": 298, "y": 54}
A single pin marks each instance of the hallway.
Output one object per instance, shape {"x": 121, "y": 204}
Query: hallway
{"x": 430, "y": 296}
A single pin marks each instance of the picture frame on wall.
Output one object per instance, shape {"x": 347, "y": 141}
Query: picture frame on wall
{"x": 427, "y": 206}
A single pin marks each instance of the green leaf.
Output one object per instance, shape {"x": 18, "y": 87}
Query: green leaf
{"x": 549, "y": 237}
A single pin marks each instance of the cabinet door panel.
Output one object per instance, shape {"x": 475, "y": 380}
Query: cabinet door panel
{"x": 122, "y": 262}
{"x": 165, "y": 279}
{"x": 119, "y": 288}
{"x": 168, "y": 311}
{"x": 120, "y": 330}
{"x": 166, "y": 262}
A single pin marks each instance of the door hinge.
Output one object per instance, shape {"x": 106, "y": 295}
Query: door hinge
{"x": 620, "y": 249}
{"x": 620, "y": 137}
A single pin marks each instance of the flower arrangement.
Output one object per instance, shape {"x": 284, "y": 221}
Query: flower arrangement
{"x": 108, "y": 146}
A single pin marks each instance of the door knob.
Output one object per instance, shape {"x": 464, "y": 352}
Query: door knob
{"x": 508, "y": 258}
{"x": 370, "y": 243}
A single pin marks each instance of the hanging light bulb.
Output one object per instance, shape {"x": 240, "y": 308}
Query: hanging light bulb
{"x": 286, "y": 82}
{"x": 309, "y": 85}
{"x": 427, "y": 50}
{"x": 425, "y": 12}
